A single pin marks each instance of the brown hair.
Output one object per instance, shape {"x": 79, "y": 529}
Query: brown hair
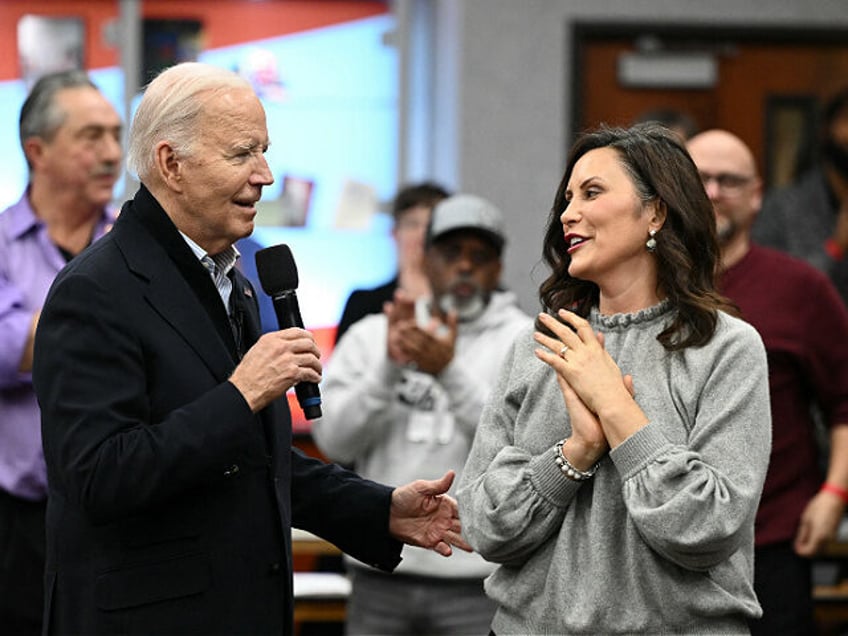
{"x": 427, "y": 194}
{"x": 687, "y": 252}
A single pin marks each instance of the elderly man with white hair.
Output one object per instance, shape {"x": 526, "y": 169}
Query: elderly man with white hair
{"x": 173, "y": 486}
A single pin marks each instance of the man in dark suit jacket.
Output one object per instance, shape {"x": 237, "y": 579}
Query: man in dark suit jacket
{"x": 173, "y": 486}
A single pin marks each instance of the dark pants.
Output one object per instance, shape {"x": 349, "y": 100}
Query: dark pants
{"x": 21, "y": 565}
{"x": 784, "y": 586}
{"x": 403, "y": 605}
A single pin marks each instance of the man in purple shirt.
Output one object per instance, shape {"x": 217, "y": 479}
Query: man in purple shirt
{"x": 70, "y": 135}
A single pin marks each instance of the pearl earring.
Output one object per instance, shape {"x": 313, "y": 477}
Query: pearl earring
{"x": 651, "y": 243}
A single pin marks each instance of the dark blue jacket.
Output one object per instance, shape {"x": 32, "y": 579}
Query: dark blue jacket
{"x": 170, "y": 503}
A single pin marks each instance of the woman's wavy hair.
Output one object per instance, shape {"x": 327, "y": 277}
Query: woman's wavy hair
{"x": 687, "y": 251}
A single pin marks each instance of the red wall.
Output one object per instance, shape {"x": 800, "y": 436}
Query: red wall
{"x": 225, "y": 22}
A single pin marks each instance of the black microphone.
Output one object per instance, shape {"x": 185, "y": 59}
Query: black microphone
{"x": 278, "y": 276}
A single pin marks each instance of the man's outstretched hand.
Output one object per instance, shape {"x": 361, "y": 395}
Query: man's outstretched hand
{"x": 423, "y": 515}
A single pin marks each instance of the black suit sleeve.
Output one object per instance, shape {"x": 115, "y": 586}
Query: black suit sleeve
{"x": 103, "y": 427}
{"x": 345, "y": 509}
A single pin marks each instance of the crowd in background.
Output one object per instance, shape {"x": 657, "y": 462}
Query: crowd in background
{"x": 679, "y": 406}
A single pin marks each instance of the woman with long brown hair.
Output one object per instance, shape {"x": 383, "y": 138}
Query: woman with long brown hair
{"x": 616, "y": 471}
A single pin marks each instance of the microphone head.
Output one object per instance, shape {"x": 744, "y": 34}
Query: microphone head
{"x": 276, "y": 269}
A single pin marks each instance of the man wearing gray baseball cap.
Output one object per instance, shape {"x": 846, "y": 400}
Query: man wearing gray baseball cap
{"x": 403, "y": 392}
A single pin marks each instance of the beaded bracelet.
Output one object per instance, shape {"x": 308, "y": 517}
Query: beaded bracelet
{"x": 575, "y": 474}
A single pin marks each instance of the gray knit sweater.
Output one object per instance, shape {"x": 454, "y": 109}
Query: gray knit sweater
{"x": 661, "y": 540}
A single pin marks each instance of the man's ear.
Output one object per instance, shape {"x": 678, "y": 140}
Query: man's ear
{"x": 34, "y": 150}
{"x": 757, "y": 196}
{"x": 499, "y": 267}
{"x": 169, "y": 166}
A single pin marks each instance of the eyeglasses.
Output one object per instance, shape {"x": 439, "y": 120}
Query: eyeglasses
{"x": 727, "y": 182}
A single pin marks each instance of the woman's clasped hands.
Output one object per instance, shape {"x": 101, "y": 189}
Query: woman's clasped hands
{"x": 598, "y": 397}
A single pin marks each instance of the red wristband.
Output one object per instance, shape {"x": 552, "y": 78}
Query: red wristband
{"x": 834, "y": 249}
{"x": 836, "y": 490}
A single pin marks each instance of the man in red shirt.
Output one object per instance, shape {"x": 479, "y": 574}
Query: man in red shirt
{"x": 804, "y": 326}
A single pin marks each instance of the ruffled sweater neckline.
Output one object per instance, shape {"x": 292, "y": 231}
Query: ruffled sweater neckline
{"x": 623, "y": 321}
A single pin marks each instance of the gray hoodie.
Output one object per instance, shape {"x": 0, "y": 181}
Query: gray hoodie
{"x": 397, "y": 425}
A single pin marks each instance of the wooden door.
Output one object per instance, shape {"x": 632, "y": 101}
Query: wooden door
{"x": 769, "y": 85}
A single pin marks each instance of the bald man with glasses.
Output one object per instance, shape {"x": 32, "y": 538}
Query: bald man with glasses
{"x": 804, "y": 326}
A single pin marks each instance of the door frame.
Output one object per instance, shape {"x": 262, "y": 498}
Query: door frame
{"x": 683, "y": 38}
